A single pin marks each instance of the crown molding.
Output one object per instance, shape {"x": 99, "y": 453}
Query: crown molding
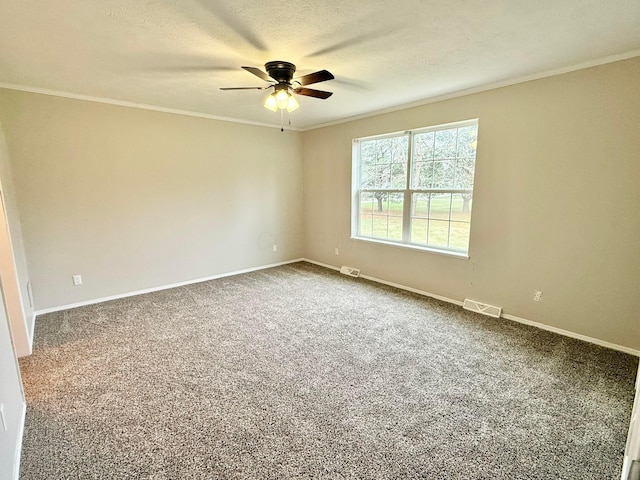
{"x": 486, "y": 87}
{"x": 141, "y": 106}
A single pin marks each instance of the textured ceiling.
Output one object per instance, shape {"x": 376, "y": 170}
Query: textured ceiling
{"x": 175, "y": 54}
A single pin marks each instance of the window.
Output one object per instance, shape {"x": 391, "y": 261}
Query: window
{"x": 416, "y": 187}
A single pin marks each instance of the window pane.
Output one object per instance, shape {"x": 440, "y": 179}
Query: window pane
{"x": 366, "y": 222}
{"x": 367, "y": 201}
{"x": 437, "y": 175}
{"x": 459, "y": 237}
{"x": 367, "y": 175}
{"x": 448, "y": 174}
{"x": 367, "y": 165}
{"x": 382, "y": 176}
{"x": 366, "y": 219}
{"x": 398, "y": 175}
{"x": 422, "y": 174}
{"x": 419, "y": 230}
{"x": 383, "y": 163}
{"x": 454, "y": 152}
{"x": 444, "y": 174}
{"x": 423, "y": 146}
{"x": 464, "y": 173}
{"x": 467, "y": 141}
{"x": 395, "y": 228}
{"x": 367, "y": 153}
{"x": 380, "y": 226}
{"x": 420, "y": 205}
{"x": 419, "y": 217}
{"x": 440, "y": 206}
{"x": 445, "y": 145}
{"x": 461, "y": 207}
{"x": 383, "y": 150}
{"x": 438, "y": 235}
{"x": 400, "y": 149}
{"x": 384, "y": 212}
{"x": 430, "y": 225}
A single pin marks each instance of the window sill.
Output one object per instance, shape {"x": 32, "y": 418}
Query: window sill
{"x": 447, "y": 253}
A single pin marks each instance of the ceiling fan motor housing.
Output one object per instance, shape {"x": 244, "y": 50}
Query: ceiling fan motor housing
{"x": 280, "y": 71}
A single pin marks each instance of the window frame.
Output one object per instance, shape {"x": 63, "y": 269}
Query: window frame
{"x": 408, "y": 192}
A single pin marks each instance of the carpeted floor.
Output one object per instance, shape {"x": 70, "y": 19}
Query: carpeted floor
{"x": 300, "y": 372}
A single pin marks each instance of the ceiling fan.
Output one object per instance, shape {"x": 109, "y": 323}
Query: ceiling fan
{"x": 279, "y": 74}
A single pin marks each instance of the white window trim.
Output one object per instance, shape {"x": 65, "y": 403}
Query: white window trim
{"x": 407, "y": 191}
{"x": 412, "y": 246}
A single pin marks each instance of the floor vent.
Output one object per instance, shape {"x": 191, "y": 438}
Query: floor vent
{"x": 482, "y": 308}
{"x": 352, "y": 272}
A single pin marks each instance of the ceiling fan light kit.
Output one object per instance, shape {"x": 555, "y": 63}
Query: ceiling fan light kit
{"x": 281, "y": 99}
{"x": 279, "y": 75}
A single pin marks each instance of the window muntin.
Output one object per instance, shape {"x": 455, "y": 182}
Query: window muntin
{"x": 416, "y": 187}
{"x": 381, "y": 215}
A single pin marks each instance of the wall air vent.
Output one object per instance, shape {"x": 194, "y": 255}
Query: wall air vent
{"x": 352, "y": 272}
{"x": 483, "y": 308}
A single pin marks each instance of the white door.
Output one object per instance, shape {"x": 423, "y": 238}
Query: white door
{"x": 631, "y": 466}
{"x": 11, "y": 289}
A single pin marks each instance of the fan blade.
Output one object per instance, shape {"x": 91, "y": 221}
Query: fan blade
{"x": 316, "y": 77}
{"x": 192, "y": 69}
{"x": 243, "y": 88}
{"x": 259, "y": 73}
{"x": 310, "y": 92}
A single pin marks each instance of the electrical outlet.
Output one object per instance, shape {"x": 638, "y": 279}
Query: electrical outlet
{"x": 77, "y": 280}
{"x": 537, "y": 296}
{"x": 275, "y": 247}
{"x": 337, "y": 251}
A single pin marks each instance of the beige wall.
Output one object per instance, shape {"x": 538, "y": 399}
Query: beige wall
{"x": 134, "y": 199}
{"x": 556, "y": 204}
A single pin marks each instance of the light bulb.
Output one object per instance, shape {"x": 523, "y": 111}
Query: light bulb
{"x": 282, "y": 98}
{"x": 292, "y": 104}
{"x": 271, "y": 103}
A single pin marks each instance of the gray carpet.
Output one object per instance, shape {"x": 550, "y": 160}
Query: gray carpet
{"x": 300, "y": 372}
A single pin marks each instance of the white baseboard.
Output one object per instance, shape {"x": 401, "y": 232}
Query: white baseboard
{"x": 391, "y": 284}
{"x": 18, "y": 453}
{"x": 162, "y": 287}
{"x": 506, "y": 316}
{"x": 31, "y": 329}
{"x": 578, "y": 336}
